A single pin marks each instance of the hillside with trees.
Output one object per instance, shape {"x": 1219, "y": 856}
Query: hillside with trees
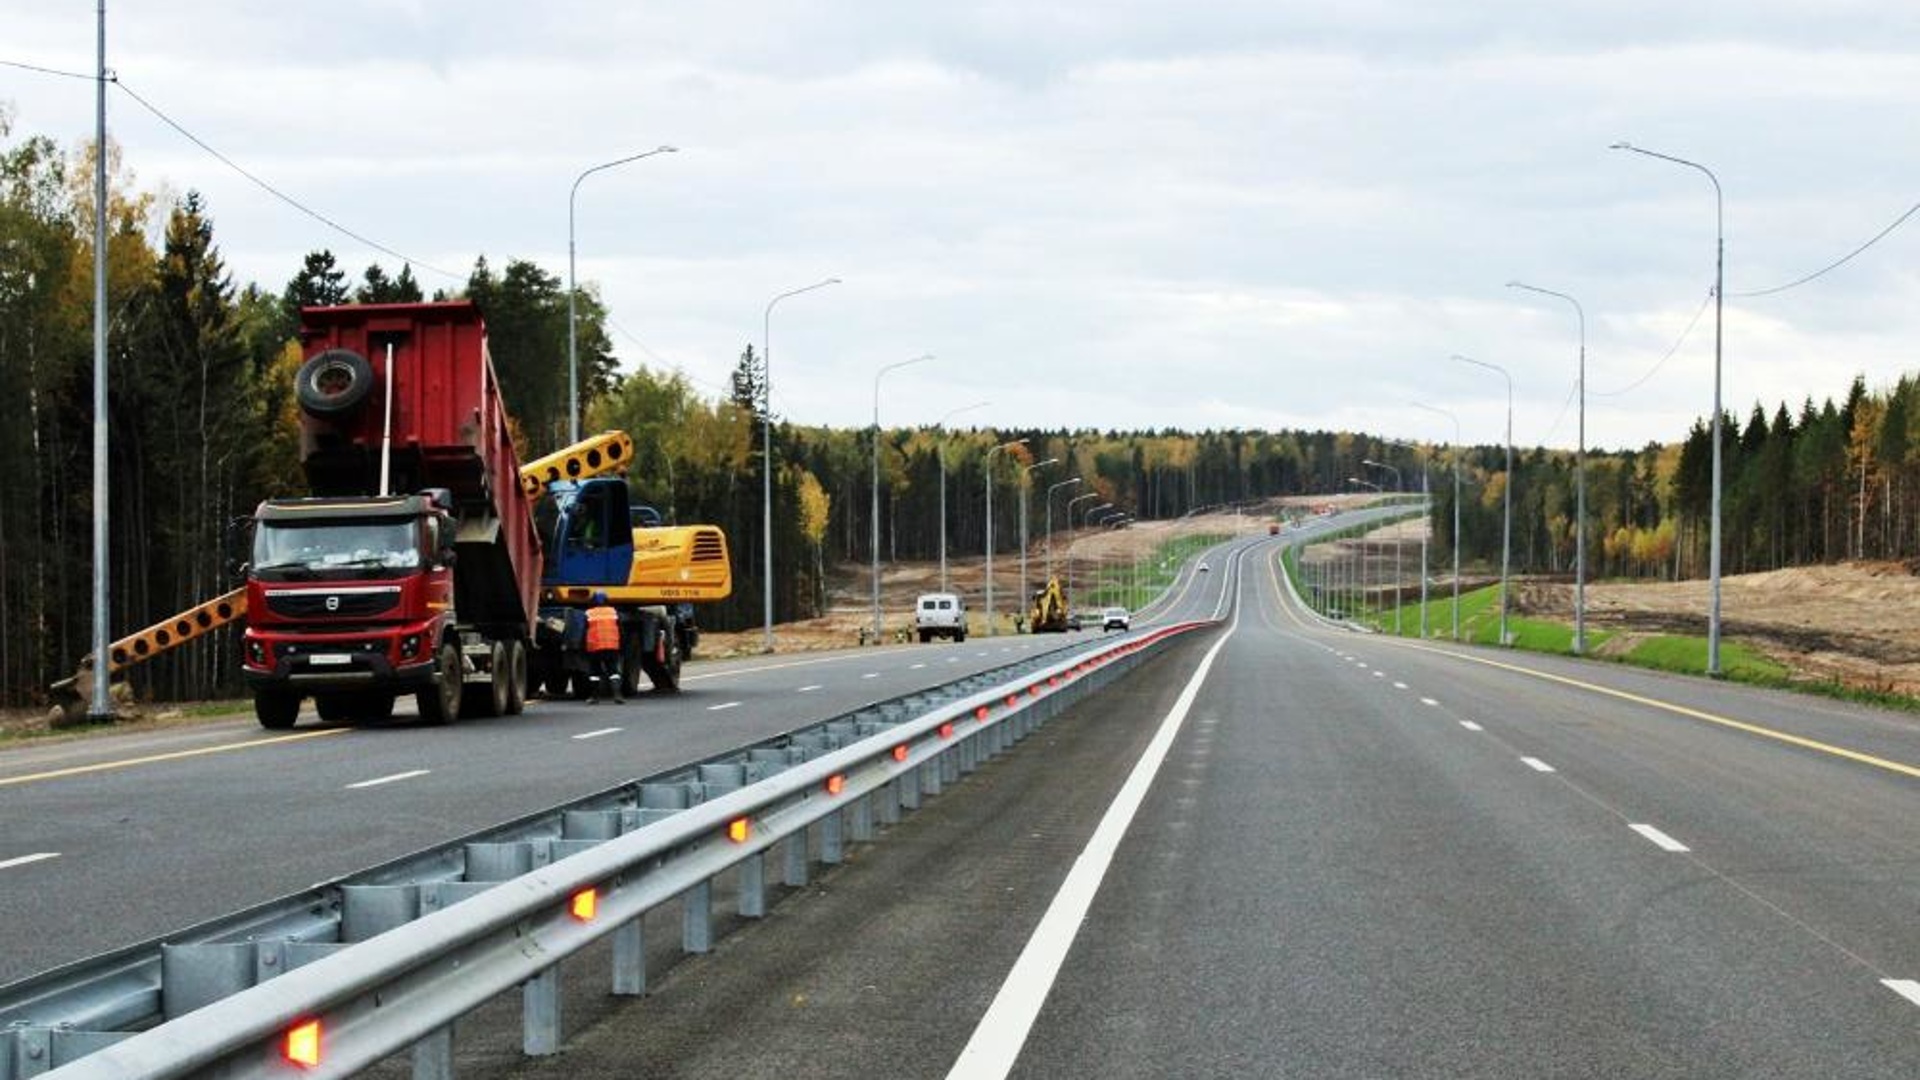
{"x": 204, "y": 426}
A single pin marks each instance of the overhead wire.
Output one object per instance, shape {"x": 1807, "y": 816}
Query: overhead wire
{"x": 114, "y": 78}
{"x": 1836, "y": 264}
{"x": 1668, "y": 355}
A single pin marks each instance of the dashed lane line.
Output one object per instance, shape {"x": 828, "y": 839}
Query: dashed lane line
{"x": 1666, "y": 843}
{"x": 1471, "y": 726}
{"x": 723, "y": 706}
{"x": 393, "y": 779}
{"x": 808, "y": 689}
{"x": 1537, "y": 765}
{"x": 1906, "y": 988}
{"x": 596, "y": 734}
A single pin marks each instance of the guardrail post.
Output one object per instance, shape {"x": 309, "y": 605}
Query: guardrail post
{"x": 540, "y": 1012}
{"x": 797, "y": 870}
{"x": 932, "y": 774}
{"x": 909, "y": 782}
{"x": 889, "y": 807}
{"x": 696, "y": 918}
{"x": 433, "y": 1056}
{"x": 753, "y": 885}
{"x": 630, "y": 959}
{"x": 950, "y": 765}
{"x": 832, "y": 832}
{"x": 860, "y": 829}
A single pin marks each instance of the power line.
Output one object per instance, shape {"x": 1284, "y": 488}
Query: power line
{"x": 1842, "y": 261}
{"x": 115, "y": 79}
{"x": 276, "y": 192}
{"x": 1660, "y": 363}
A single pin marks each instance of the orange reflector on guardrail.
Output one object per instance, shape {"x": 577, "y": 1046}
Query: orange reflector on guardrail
{"x": 737, "y": 830}
{"x": 585, "y": 905}
{"x": 980, "y": 714}
{"x": 1012, "y": 700}
{"x": 946, "y": 730}
{"x": 836, "y": 784}
{"x": 302, "y": 1044}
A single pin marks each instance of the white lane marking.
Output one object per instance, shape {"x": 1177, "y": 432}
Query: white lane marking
{"x": 1470, "y": 725}
{"x": 1906, "y": 988}
{"x": 597, "y": 734}
{"x": 1666, "y": 842}
{"x": 1399, "y": 686}
{"x": 982, "y": 652}
{"x": 953, "y": 659}
{"x": 995, "y": 1044}
{"x": 871, "y": 675}
{"x": 377, "y": 781}
{"x": 808, "y": 689}
{"x": 915, "y": 667}
{"x": 1379, "y": 674}
{"x": 22, "y": 860}
{"x": 723, "y": 705}
{"x": 1537, "y": 765}
{"x": 1429, "y": 701}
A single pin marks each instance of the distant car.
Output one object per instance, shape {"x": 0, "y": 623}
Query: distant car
{"x": 1074, "y": 620}
{"x": 1115, "y": 618}
{"x": 1203, "y": 566}
{"x": 940, "y": 615}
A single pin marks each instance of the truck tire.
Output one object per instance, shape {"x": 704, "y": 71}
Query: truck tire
{"x": 960, "y": 637}
{"x": 662, "y": 665}
{"x": 489, "y": 698}
{"x": 276, "y": 709}
{"x": 926, "y": 636}
{"x": 440, "y": 703}
{"x": 516, "y": 677}
{"x": 334, "y": 708}
{"x": 333, "y": 382}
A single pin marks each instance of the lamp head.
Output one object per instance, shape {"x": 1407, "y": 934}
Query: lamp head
{"x": 1621, "y": 145}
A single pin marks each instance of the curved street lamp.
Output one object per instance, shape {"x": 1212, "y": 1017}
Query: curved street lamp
{"x": 573, "y": 347}
{"x": 988, "y": 469}
{"x": 1070, "y": 504}
{"x": 1357, "y": 482}
{"x": 1456, "y": 510}
{"x": 1069, "y": 482}
{"x": 1025, "y": 472}
{"x": 1579, "y": 478}
{"x": 1398, "y": 485}
{"x": 876, "y": 482}
{"x": 766, "y": 449}
{"x": 1506, "y": 527}
{"x": 1719, "y": 293}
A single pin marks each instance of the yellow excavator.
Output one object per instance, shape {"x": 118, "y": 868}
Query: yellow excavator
{"x": 1049, "y": 612}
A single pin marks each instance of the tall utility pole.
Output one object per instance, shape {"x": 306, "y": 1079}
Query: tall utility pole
{"x": 1579, "y": 478}
{"x": 1719, "y": 296}
{"x": 766, "y": 465}
{"x": 100, "y": 709}
{"x": 988, "y": 469}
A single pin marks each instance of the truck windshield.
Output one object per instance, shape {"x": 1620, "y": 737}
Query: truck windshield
{"x": 293, "y": 551}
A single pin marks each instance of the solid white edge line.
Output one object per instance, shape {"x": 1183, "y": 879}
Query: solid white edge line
{"x": 1537, "y": 765}
{"x": 1001, "y": 1034}
{"x": 722, "y": 706}
{"x": 597, "y": 734}
{"x": 23, "y": 860}
{"x": 1666, "y": 842}
{"x": 1906, "y": 988}
{"x": 377, "y": 781}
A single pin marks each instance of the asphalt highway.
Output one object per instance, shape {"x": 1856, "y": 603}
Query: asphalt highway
{"x": 1287, "y": 849}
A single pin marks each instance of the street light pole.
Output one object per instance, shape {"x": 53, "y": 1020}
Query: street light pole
{"x": 1579, "y": 478}
{"x": 876, "y": 484}
{"x": 989, "y": 471}
{"x": 766, "y": 449}
{"x": 1069, "y": 482}
{"x": 100, "y": 699}
{"x": 1025, "y": 472}
{"x": 573, "y": 347}
{"x": 940, "y": 455}
{"x": 1398, "y": 485}
{"x": 1719, "y": 295}
{"x": 1357, "y": 482}
{"x": 1506, "y": 527}
{"x": 1070, "y": 502}
{"x": 1456, "y": 510}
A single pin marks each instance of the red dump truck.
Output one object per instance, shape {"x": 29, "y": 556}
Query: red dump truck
{"x": 415, "y": 567}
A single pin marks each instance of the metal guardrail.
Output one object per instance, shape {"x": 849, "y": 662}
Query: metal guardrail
{"x": 281, "y": 990}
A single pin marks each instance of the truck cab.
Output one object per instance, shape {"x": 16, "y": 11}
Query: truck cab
{"x": 348, "y": 600}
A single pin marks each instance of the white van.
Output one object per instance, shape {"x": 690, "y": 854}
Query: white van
{"x": 940, "y": 614}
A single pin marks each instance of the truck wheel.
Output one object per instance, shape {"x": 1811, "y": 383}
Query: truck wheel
{"x": 334, "y": 382}
{"x": 489, "y": 698}
{"x": 926, "y": 636}
{"x": 516, "y": 677}
{"x": 440, "y": 703}
{"x": 334, "y": 708}
{"x": 959, "y": 637}
{"x": 664, "y": 674}
{"x": 276, "y": 710}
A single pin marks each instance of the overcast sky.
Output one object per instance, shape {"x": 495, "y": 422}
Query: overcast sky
{"x": 1112, "y": 214}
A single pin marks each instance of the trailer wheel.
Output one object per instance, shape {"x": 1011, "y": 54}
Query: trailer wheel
{"x": 333, "y": 382}
{"x": 516, "y": 677}
{"x": 276, "y": 710}
{"x": 440, "y": 703}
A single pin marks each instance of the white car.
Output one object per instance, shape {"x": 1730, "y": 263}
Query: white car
{"x": 1203, "y": 566}
{"x": 1115, "y": 618}
{"x": 940, "y": 615}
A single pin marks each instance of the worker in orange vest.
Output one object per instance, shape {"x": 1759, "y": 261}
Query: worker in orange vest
{"x": 603, "y": 649}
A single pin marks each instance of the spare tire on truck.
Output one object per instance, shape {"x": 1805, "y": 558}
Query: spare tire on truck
{"x": 333, "y": 382}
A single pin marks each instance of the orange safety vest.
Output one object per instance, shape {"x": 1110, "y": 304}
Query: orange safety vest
{"x": 603, "y": 629}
